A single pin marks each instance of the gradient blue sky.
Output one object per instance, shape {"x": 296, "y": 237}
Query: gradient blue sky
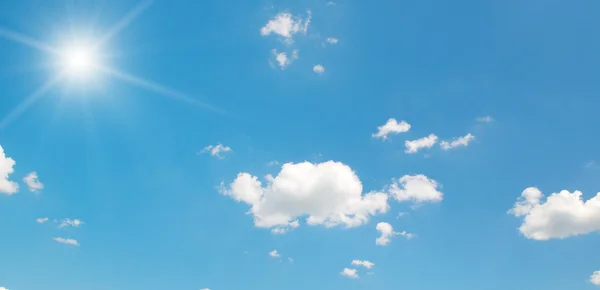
{"x": 126, "y": 159}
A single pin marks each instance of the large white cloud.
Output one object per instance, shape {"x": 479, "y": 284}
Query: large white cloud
{"x": 595, "y": 278}
{"x": 328, "y": 194}
{"x": 561, "y": 215}
{"x": 6, "y": 168}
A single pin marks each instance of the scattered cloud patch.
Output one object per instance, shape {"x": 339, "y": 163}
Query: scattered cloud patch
{"x": 273, "y": 163}
{"x": 70, "y": 242}
{"x": 350, "y": 273}
{"x": 332, "y": 40}
{"x": 283, "y": 60}
{"x": 401, "y": 214}
{"x": 330, "y": 3}
{"x": 33, "y": 182}
{"x": 319, "y": 69}
{"x": 387, "y": 232}
{"x": 74, "y": 223}
{"x": 41, "y": 220}
{"x": 3, "y": 288}
{"x": 284, "y": 229}
{"x": 560, "y": 216}
{"x": 216, "y": 150}
{"x": 415, "y": 145}
{"x": 485, "y": 119}
{"x": 364, "y": 263}
{"x": 595, "y": 278}
{"x": 460, "y": 141}
{"x": 6, "y": 168}
{"x": 286, "y": 25}
{"x": 417, "y": 188}
{"x": 391, "y": 127}
{"x": 328, "y": 194}
{"x": 274, "y": 254}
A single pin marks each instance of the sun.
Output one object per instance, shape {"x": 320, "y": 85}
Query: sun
{"x": 79, "y": 61}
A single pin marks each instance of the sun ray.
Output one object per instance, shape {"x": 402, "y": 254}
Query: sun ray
{"x": 26, "y": 40}
{"x": 30, "y": 100}
{"x": 165, "y": 91}
{"x": 124, "y": 22}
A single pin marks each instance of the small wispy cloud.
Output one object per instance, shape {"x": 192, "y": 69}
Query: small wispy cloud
{"x": 273, "y": 163}
{"x": 274, "y": 254}
{"x": 457, "y": 142}
{"x": 364, "y": 263}
{"x": 485, "y": 119}
{"x": 332, "y": 40}
{"x": 319, "y": 69}
{"x": 350, "y": 273}
{"x": 33, "y": 182}
{"x": 415, "y": 145}
{"x": 216, "y": 150}
{"x": 392, "y": 126}
{"x": 65, "y": 241}
{"x": 74, "y": 223}
{"x": 41, "y": 220}
{"x": 282, "y": 58}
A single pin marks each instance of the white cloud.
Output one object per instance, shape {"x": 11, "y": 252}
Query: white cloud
{"x": 332, "y": 40}
{"x": 33, "y": 182}
{"x": 41, "y": 220}
{"x": 6, "y": 168}
{"x": 387, "y": 232}
{"x": 319, "y": 69}
{"x": 460, "y": 141}
{"x": 283, "y": 60}
{"x": 75, "y": 223}
{"x": 416, "y": 145}
{"x": 274, "y": 254}
{"x": 560, "y": 216}
{"x": 417, "y": 188}
{"x": 70, "y": 242}
{"x": 595, "y": 278}
{"x": 286, "y": 25}
{"x": 366, "y": 264}
{"x": 485, "y": 119}
{"x": 3, "y": 288}
{"x": 391, "y": 127}
{"x": 350, "y": 273}
{"x": 328, "y": 193}
{"x": 216, "y": 150}
{"x": 273, "y": 163}
{"x": 401, "y": 214}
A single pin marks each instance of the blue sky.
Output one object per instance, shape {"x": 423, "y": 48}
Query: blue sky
{"x": 299, "y": 145}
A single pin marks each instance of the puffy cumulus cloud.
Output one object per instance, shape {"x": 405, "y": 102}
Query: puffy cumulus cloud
{"x": 70, "y": 242}
{"x": 415, "y": 145}
{"x": 595, "y": 278}
{"x": 274, "y": 254}
{"x": 364, "y": 263}
{"x": 391, "y": 127}
{"x": 33, "y": 182}
{"x": 216, "y": 150}
{"x": 417, "y": 188}
{"x": 283, "y": 60}
{"x": 350, "y": 273}
{"x": 460, "y": 141}
{"x": 485, "y": 119}
{"x": 387, "y": 232}
{"x": 319, "y": 69}
{"x": 328, "y": 194}
{"x": 286, "y": 25}
{"x": 560, "y": 216}
{"x": 41, "y": 220}
{"x": 6, "y": 168}
{"x": 75, "y": 223}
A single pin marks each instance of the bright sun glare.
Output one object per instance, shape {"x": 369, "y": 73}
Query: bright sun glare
{"x": 79, "y": 61}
